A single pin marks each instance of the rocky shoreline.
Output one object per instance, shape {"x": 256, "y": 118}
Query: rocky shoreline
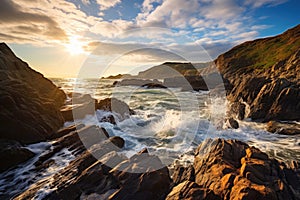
{"x": 34, "y": 110}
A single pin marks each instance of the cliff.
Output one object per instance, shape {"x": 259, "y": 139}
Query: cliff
{"x": 29, "y": 102}
{"x": 265, "y": 74}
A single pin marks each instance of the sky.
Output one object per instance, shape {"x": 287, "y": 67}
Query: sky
{"x": 94, "y": 38}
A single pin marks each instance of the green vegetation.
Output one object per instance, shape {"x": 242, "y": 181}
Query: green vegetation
{"x": 264, "y": 53}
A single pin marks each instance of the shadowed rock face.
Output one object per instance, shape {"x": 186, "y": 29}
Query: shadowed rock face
{"x": 231, "y": 169}
{"x": 265, "y": 74}
{"x": 29, "y": 102}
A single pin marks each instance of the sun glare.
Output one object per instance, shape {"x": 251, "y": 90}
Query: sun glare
{"x": 74, "y": 46}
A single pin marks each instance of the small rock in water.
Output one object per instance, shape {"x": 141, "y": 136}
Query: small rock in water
{"x": 232, "y": 123}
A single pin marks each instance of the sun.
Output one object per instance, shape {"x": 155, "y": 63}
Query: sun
{"x": 74, "y": 46}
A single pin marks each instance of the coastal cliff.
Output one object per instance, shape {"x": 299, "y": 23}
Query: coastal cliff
{"x": 265, "y": 74}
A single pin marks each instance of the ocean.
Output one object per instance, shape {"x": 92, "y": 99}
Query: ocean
{"x": 170, "y": 123}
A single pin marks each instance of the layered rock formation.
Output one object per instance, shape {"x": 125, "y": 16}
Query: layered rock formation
{"x": 230, "y": 169}
{"x": 265, "y": 74}
{"x": 29, "y": 102}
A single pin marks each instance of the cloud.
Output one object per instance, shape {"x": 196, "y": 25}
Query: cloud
{"x": 105, "y": 4}
{"x": 20, "y": 24}
{"x": 259, "y": 3}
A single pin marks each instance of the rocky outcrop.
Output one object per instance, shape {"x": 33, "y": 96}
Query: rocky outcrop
{"x": 29, "y": 102}
{"x": 12, "y": 153}
{"x": 230, "y": 169}
{"x": 101, "y": 172}
{"x": 265, "y": 74}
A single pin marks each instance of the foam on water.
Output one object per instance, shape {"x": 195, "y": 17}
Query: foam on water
{"x": 16, "y": 180}
{"x": 170, "y": 123}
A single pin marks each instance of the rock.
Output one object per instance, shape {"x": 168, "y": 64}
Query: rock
{"x": 233, "y": 170}
{"x": 29, "y": 102}
{"x": 86, "y": 177}
{"x": 186, "y": 83}
{"x": 153, "y": 85}
{"x": 265, "y": 77}
{"x": 12, "y": 154}
{"x": 237, "y": 110}
{"x": 192, "y": 191}
{"x": 78, "y": 106}
{"x": 143, "y": 176}
{"x": 137, "y": 82}
{"x": 109, "y": 118}
{"x": 232, "y": 123}
{"x": 115, "y": 105}
{"x": 78, "y": 111}
{"x": 118, "y": 141}
{"x": 182, "y": 174}
{"x": 283, "y": 128}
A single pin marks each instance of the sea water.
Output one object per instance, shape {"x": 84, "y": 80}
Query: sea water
{"x": 170, "y": 123}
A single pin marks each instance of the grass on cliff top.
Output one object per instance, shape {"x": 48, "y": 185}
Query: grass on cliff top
{"x": 264, "y": 53}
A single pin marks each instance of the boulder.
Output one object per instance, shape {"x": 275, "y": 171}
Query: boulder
{"x": 283, "y": 128}
{"x": 12, "y": 154}
{"x": 115, "y": 105}
{"x": 232, "y": 123}
{"x": 237, "y": 110}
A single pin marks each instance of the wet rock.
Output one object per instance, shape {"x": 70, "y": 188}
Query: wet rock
{"x": 29, "y": 102}
{"x": 237, "y": 110}
{"x": 232, "y": 123}
{"x": 109, "y": 118}
{"x": 115, "y": 105}
{"x": 12, "y": 153}
{"x": 283, "y": 128}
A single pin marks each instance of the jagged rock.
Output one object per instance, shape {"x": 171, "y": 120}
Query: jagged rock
{"x": 192, "y": 191}
{"x": 29, "y": 102}
{"x": 268, "y": 82}
{"x": 143, "y": 176}
{"x": 283, "y": 128}
{"x": 233, "y": 170}
{"x": 237, "y": 110}
{"x": 181, "y": 174}
{"x": 12, "y": 154}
